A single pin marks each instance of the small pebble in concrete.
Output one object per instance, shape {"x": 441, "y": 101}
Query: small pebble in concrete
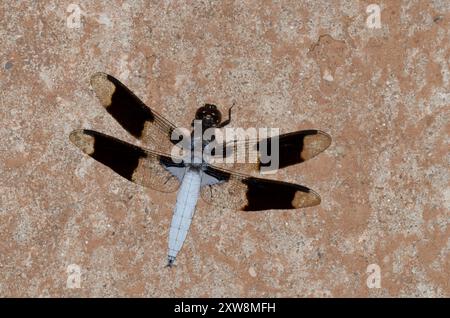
{"x": 327, "y": 76}
{"x": 252, "y": 271}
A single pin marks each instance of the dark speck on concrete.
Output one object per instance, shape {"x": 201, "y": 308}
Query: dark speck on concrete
{"x": 438, "y": 18}
{"x": 8, "y": 65}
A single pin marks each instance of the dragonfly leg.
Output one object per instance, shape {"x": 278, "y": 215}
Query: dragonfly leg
{"x": 226, "y": 122}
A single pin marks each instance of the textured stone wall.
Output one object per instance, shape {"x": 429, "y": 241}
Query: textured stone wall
{"x": 381, "y": 91}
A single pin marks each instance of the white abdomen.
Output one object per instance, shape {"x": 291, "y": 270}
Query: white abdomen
{"x": 184, "y": 211}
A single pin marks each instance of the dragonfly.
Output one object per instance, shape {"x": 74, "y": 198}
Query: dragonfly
{"x": 223, "y": 185}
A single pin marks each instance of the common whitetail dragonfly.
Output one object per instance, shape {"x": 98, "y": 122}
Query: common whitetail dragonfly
{"x": 234, "y": 189}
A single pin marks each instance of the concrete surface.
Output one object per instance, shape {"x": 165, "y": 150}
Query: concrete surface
{"x": 383, "y": 94}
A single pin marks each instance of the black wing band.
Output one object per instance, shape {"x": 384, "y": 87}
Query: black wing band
{"x": 245, "y": 193}
{"x": 144, "y": 167}
{"x": 132, "y": 114}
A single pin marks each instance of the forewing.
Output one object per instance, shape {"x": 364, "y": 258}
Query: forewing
{"x": 245, "y": 193}
{"x": 132, "y": 114}
{"x": 147, "y": 168}
{"x": 246, "y": 156}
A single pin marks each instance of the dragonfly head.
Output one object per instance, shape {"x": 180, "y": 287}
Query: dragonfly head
{"x": 209, "y": 115}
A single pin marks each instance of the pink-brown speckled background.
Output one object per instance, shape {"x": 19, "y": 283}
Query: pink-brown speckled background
{"x": 382, "y": 94}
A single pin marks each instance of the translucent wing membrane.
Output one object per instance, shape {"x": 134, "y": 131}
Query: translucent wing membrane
{"x": 241, "y": 192}
{"x": 132, "y": 114}
{"x": 147, "y": 168}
